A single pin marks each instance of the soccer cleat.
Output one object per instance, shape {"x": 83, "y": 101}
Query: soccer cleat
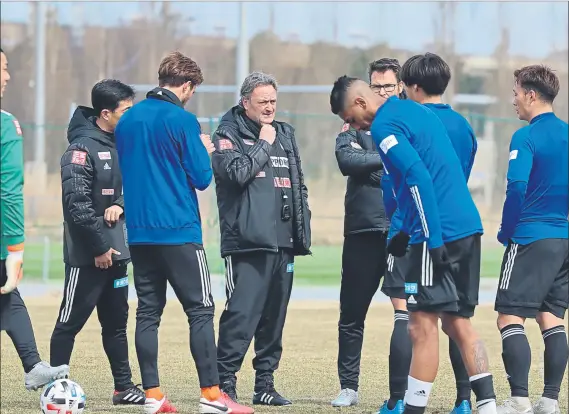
{"x": 346, "y": 398}
{"x": 213, "y": 407}
{"x": 43, "y": 373}
{"x": 224, "y": 404}
{"x": 229, "y": 387}
{"x": 269, "y": 396}
{"x": 463, "y": 408}
{"x": 131, "y": 396}
{"x": 546, "y": 406}
{"x": 516, "y": 405}
{"x": 398, "y": 409}
{"x": 154, "y": 406}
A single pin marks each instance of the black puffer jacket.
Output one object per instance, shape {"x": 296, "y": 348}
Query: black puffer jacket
{"x": 359, "y": 160}
{"x": 248, "y": 211}
{"x": 91, "y": 182}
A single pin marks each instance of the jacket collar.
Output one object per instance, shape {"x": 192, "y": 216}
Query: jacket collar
{"x": 83, "y": 124}
{"x": 163, "y": 94}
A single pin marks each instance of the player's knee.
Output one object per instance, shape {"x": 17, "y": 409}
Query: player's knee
{"x": 422, "y": 330}
{"x": 505, "y": 320}
{"x": 547, "y": 320}
{"x": 458, "y": 328}
{"x": 399, "y": 304}
{"x": 448, "y": 327}
{"x": 148, "y": 316}
{"x": 66, "y": 330}
{"x": 201, "y": 312}
{"x": 114, "y": 330}
{"x": 351, "y": 319}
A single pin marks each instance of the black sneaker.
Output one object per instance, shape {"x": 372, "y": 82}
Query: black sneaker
{"x": 131, "y": 396}
{"x": 269, "y": 396}
{"x": 230, "y": 388}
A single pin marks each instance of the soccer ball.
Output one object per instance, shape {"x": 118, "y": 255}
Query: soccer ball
{"x": 62, "y": 396}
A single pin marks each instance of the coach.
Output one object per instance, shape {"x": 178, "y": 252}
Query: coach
{"x": 95, "y": 253}
{"x": 264, "y": 224}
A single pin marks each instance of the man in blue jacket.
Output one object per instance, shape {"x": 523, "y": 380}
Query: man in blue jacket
{"x": 164, "y": 159}
{"x": 440, "y": 223}
{"x": 426, "y": 78}
{"x": 534, "y": 279}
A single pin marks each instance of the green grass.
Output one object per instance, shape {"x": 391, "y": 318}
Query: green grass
{"x": 322, "y": 268}
{"x": 307, "y": 373}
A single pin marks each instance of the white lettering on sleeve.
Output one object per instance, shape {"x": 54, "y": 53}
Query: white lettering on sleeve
{"x": 387, "y": 143}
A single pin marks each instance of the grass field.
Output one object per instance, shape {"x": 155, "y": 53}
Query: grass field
{"x": 322, "y": 268}
{"x": 307, "y": 373}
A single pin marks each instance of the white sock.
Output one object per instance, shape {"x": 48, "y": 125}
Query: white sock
{"x": 418, "y": 392}
{"x": 486, "y": 407}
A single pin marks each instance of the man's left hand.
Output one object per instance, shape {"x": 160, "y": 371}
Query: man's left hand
{"x": 398, "y": 244}
{"x": 14, "y": 268}
{"x": 206, "y": 140}
{"x": 502, "y": 238}
{"x": 112, "y": 214}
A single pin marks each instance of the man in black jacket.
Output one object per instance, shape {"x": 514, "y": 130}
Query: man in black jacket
{"x": 364, "y": 260}
{"x": 95, "y": 251}
{"x": 264, "y": 223}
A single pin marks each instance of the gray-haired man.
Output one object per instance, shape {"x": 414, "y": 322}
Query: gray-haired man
{"x": 264, "y": 224}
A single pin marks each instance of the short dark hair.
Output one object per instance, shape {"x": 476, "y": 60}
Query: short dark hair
{"x": 338, "y": 94}
{"x": 177, "y": 69}
{"x": 383, "y": 65}
{"x": 109, "y": 93}
{"x": 540, "y": 79}
{"x": 1, "y": 51}
{"x": 429, "y": 72}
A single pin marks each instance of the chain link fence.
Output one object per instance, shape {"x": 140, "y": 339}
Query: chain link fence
{"x": 316, "y": 135}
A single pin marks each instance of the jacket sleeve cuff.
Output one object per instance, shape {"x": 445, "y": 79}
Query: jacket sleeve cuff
{"x": 102, "y": 249}
{"x": 119, "y": 202}
{"x": 12, "y": 240}
{"x": 265, "y": 146}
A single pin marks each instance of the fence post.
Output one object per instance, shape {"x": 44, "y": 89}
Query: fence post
{"x": 46, "y": 259}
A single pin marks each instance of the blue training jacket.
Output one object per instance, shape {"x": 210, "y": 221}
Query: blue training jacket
{"x": 427, "y": 176}
{"x": 163, "y": 162}
{"x": 463, "y": 141}
{"x": 537, "y": 196}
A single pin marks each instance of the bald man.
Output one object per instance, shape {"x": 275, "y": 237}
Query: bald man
{"x": 441, "y": 231}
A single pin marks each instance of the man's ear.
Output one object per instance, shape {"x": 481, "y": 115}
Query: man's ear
{"x": 188, "y": 86}
{"x": 532, "y": 95}
{"x": 105, "y": 114}
{"x": 361, "y": 102}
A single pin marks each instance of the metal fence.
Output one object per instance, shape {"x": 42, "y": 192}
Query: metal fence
{"x": 316, "y": 135}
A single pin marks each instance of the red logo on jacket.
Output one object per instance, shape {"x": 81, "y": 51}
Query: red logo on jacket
{"x": 79, "y": 157}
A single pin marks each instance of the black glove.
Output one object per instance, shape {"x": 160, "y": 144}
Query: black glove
{"x": 398, "y": 244}
{"x": 440, "y": 260}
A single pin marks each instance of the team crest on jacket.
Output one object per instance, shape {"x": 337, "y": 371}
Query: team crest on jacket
{"x": 104, "y": 155}
{"x": 108, "y": 191}
{"x": 225, "y": 144}
{"x": 345, "y": 127}
{"x": 79, "y": 157}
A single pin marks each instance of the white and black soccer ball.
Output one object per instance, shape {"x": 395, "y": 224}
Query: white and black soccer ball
{"x": 62, "y": 396}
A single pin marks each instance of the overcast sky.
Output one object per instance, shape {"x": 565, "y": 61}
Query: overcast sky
{"x": 537, "y": 28}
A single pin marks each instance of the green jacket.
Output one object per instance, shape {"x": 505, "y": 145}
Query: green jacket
{"x": 11, "y": 183}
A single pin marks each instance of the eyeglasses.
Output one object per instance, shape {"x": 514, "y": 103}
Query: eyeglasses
{"x": 390, "y": 87}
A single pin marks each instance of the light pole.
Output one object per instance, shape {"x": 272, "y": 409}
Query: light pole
{"x": 242, "y": 58}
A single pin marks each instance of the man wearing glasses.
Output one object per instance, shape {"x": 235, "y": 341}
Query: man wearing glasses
{"x": 366, "y": 226}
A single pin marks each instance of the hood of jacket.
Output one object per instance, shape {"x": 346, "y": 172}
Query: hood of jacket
{"x": 82, "y": 124}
